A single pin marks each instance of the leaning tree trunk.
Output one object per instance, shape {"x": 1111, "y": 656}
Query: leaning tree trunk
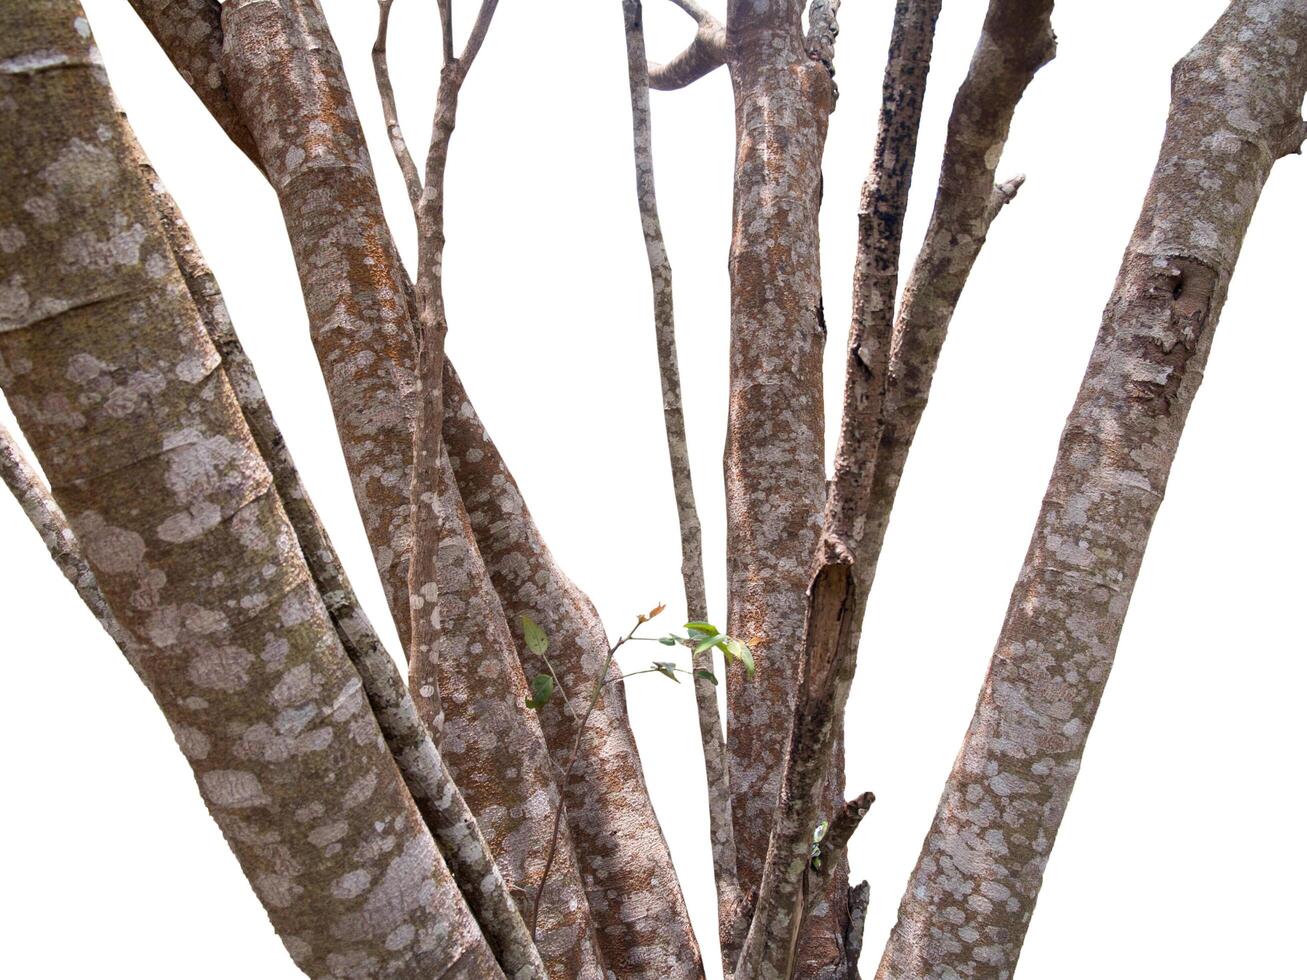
{"x": 105, "y": 361}
{"x": 640, "y": 915}
{"x": 1236, "y": 108}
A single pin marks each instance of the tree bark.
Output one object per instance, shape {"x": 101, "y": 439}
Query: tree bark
{"x": 113, "y": 379}
{"x": 720, "y": 822}
{"x": 774, "y": 464}
{"x": 441, "y": 803}
{"x": 285, "y": 76}
{"x": 635, "y": 898}
{"x": 1236, "y": 107}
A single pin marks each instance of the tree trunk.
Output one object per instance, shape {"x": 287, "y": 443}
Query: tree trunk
{"x": 1236, "y": 102}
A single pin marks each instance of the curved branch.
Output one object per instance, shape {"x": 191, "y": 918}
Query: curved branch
{"x": 412, "y": 180}
{"x": 706, "y": 52}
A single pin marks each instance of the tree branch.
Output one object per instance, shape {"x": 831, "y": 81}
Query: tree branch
{"x": 706, "y": 52}
{"x": 616, "y": 832}
{"x": 833, "y": 616}
{"x": 438, "y": 799}
{"x": 179, "y": 518}
{"x": 412, "y": 180}
{"x": 721, "y": 830}
{"x": 1016, "y": 41}
{"x": 1010, "y": 786}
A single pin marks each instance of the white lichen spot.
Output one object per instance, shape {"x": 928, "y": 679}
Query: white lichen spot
{"x": 234, "y": 789}
{"x": 351, "y": 884}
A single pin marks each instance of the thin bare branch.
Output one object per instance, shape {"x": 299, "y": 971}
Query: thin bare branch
{"x": 1016, "y": 41}
{"x": 49, "y": 522}
{"x": 380, "y": 66}
{"x": 1012, "y": 780}
{"x": 720, "y": 820}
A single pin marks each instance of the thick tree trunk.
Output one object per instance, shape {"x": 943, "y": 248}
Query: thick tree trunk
{"x": 1236, "y": 107}
{"x": 108, "y": 369}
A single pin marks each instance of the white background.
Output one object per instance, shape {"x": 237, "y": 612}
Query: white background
{"x": 1178, "y": 856}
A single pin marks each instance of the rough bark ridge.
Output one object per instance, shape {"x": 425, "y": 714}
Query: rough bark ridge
{"x": 613, "y": 825}
{"x": 1236, "y": 107}
{"x": 108, "y": 369}
{"x": 285, "y": 75}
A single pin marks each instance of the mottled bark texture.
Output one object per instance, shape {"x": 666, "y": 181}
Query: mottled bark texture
{"x": 66, "y": 551}
{"x": 1236, "y": 107}
{"x": 720, "y": 820}
{"x": 639, "y": 914}
{"x": 107, "y": 366}
{"x": 635, "y": 898}
{"x": 831, "y": 626}
{"x": 285, "y": 76}
{"x": 1016, "y": 40}
{"x": 440, "y": 802}
{"x": 774, "y": 463}
{"x": 706, "y": 52}
{"x": 190, "y": 34}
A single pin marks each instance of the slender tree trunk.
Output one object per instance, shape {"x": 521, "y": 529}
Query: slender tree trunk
{"x": 289, "y": 88}
{"x": 634, "y": 896}
{"x": 108, "y": 369}
{"x": 1236, "y": 107}
{"x": 774, "y": 461}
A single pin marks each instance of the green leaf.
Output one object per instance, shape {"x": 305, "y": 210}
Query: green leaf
{"x": 669, "y": 641}
{"x": 667, "y": 669}
{"x": 706, "y": 675}
{"x": 707, "y": 644}
{"x": 536, "y": 640}
{"x": 542, "y": 690}
{"x": 734, "y": 649}
{"x": 820, "y": 833}
{"x": 703, "y": 629}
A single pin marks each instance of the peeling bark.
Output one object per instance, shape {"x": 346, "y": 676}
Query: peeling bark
{"x": 1235, "y": 98}
{"x": 721, "y": 831}
{"x": 109, "y": 371}
{"x": 285, "y": 76}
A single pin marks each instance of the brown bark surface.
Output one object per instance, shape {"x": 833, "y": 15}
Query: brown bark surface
{"x": 635, "y": 898}
{"x": 1236, "y": 107}
{"x": 441, "y": 803}
{"x": 107, "y": 366}
{"x": 289, "y": 87}
{"x": 775, "y": 468}
{"x": 613, "y": 825}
